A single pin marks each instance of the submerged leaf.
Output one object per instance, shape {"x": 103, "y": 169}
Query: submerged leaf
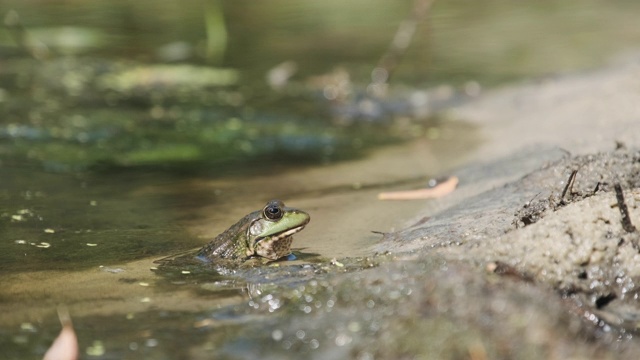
{"x": 65, "y": 346}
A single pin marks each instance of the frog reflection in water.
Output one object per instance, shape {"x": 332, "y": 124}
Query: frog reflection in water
{"x": 265, "y": 233}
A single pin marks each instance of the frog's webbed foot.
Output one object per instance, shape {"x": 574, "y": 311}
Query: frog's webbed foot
{"x": 255, "y": 261}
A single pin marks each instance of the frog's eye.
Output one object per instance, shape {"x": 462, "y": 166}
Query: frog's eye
{"x": 273, "y": 212}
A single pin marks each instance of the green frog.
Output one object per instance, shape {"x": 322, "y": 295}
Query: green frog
{"x": 265, "y": 233}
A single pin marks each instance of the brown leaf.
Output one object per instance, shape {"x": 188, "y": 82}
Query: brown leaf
{"x": 440, "y": 190}
{"x": 65, "y": 346}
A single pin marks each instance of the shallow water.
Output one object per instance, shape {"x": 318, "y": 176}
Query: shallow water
{"x": 75, "y": 221}
{"x": 91, "y": 193}
{"x": 82, "y": 253}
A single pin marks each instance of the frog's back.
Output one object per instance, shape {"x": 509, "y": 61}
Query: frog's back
{"x": 231, "y": 244}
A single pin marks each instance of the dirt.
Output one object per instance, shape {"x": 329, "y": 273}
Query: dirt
{"x": 543, "y": 227}
{"x": 576, "y": 244}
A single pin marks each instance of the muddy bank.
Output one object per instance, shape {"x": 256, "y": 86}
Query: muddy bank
{"x": 547, "y": 229}
{"x": 422, "y": 306}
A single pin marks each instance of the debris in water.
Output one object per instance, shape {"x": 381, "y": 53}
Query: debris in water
{"x": 111, "y": 270}
{"x": 204, "y": 323}
{"x": 96, "y": 348}
{"x": 337, "y": 263}
{"x": 27, "y": 327}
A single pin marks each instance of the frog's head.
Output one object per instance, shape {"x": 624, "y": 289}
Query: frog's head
{"x": 270, "y": 233}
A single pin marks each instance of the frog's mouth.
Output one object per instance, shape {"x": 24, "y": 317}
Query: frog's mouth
{"x": 284, "y": 234}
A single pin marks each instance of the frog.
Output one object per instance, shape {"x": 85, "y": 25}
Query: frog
{"x": 265, "y": 235}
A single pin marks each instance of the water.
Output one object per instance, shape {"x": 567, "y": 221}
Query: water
{"x": 109, "y": 161}
{"x": 74, "y": 221}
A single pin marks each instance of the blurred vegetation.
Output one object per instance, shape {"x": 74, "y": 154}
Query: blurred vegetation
{"x": 101, "y": 83}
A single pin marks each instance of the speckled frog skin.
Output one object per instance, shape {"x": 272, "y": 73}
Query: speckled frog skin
{"x": 265, "y": 233}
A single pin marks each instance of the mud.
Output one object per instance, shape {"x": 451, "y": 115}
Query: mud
{"x": 426, "y": 305}
{"x": 555, "y": 221}
{"x": 575, "y": 244}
